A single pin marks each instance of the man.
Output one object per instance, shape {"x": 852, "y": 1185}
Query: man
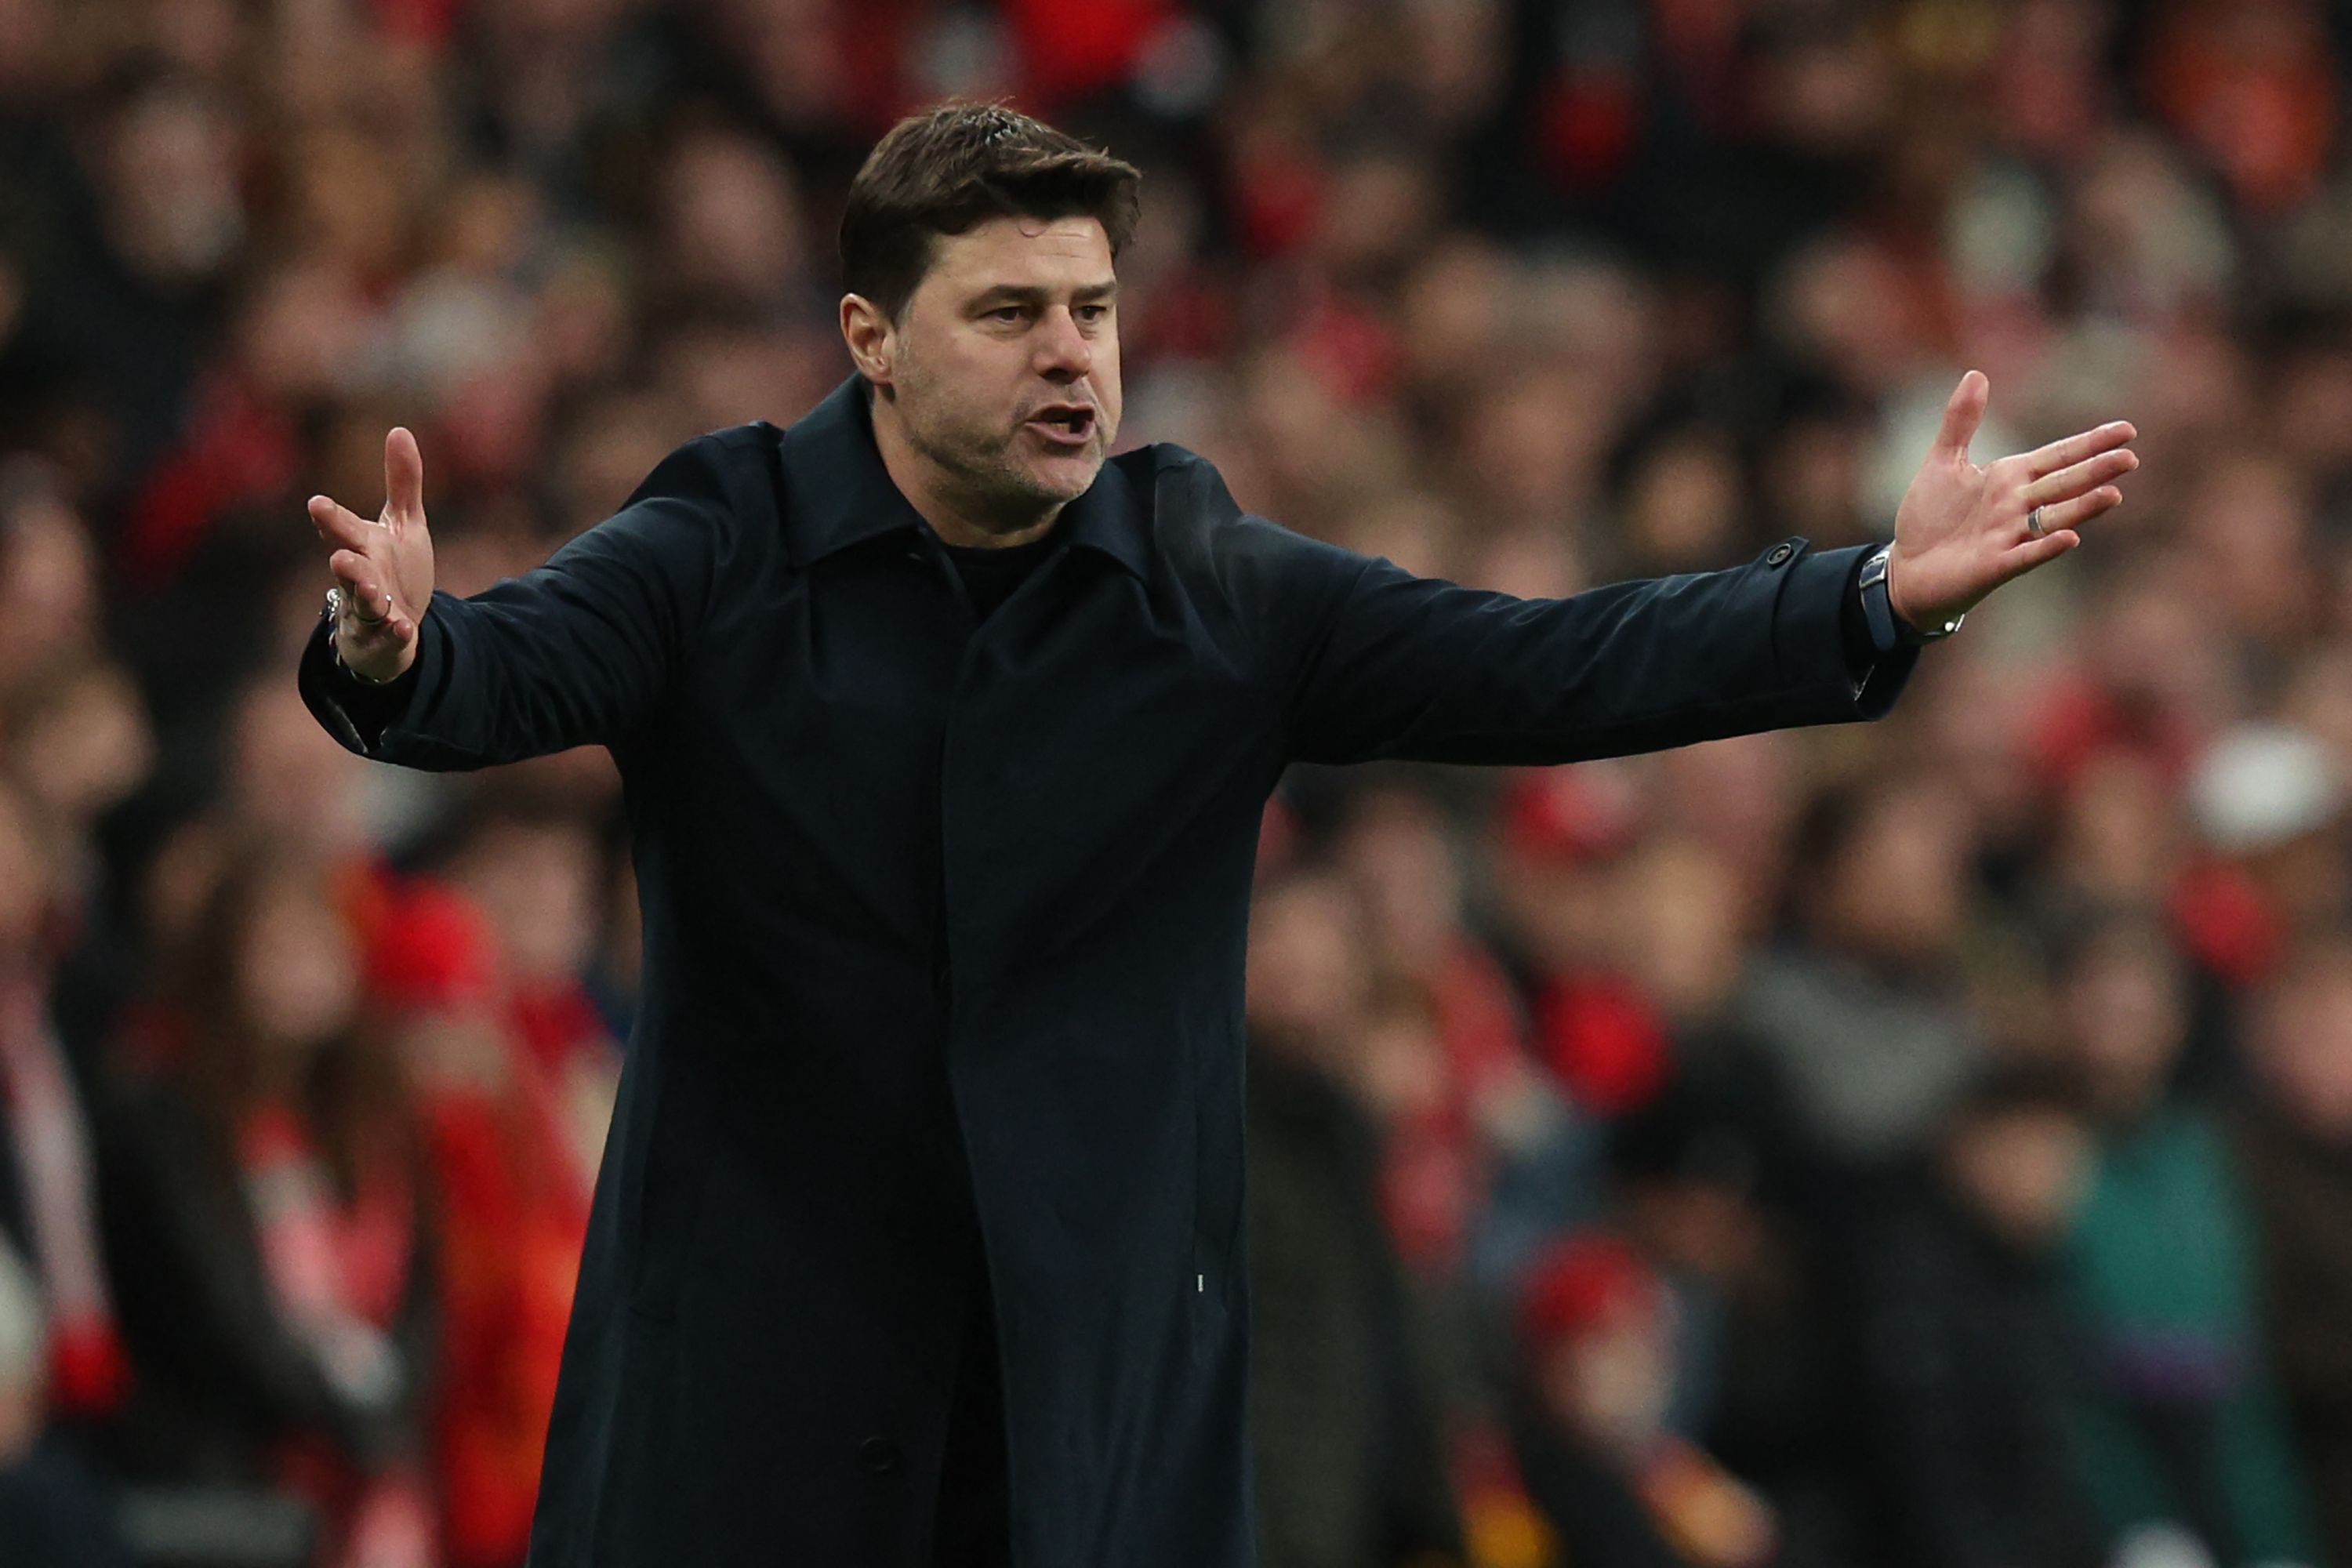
{"x": 917, "y": 1239}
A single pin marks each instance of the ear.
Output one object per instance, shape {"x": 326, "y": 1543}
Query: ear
{"x": 872, "y": 340}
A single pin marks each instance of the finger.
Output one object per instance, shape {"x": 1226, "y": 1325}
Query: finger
{"x": 1963, "y": 413}
{"x": 358, "y": 629}
{"x": 404, "y": 476}
{"x": 370, "y": 602}
{"x": 2076, "y": 448}
{"x": 2083, "y": 476}
{"x": 2074, "y": 513}
{"x": 2034, "y": 552}
{"x": 338, "y": 524}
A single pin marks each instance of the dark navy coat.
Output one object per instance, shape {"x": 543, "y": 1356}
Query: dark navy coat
{"x": 944, "y": 940}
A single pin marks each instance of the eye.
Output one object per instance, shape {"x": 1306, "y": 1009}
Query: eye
{"x": 1009, "y": 314}
{"x": 1093, "y": 312}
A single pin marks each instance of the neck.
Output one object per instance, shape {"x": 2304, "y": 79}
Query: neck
{"x": 954, "y": 513}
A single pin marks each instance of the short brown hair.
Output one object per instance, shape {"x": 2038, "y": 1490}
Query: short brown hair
{"x": 945, "y": 170}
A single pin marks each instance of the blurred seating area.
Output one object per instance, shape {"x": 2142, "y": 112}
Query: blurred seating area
{"x": 1928, "y": 1143}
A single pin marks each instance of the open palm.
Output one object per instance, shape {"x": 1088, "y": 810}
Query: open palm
{"x": 1964, "y": 529}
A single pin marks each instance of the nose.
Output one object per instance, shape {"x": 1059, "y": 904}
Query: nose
{"x": 1063, "y": 354}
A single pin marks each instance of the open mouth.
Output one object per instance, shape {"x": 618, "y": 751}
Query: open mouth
{"x": 1063, "y": 423}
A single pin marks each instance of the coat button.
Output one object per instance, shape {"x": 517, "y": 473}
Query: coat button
{"x": 879, "y": 1455}
{"x": 1779, "y": 554}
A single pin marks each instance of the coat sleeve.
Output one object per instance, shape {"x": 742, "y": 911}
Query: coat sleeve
{"x": 1377, "y": 663}
{"x": 579, "y": 650}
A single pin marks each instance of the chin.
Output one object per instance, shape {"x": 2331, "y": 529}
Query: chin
{"x": 1065, "y": 479}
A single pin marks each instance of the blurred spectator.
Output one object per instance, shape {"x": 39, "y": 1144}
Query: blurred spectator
{"x": 1563, "y": 886}
{"x": 2184, "y": 1428}
{"x": 510, "y": 1210}
{"x": 2295, "y": 1145}
{"x": 1349, "y": 1451}
{"x": 1758, "y": 1365}
{"x": 2268, "y": 803}
{"x": 1443, "y": 1060}
{"x": 268, "y": 1219}
{"x": 49, "y": 1178}
{"x": 1619, "y": 1488}
{"x": 1857, "y": 1015}
{"x": 1970, "y": 1364}
{"x": 54, "y": 1512}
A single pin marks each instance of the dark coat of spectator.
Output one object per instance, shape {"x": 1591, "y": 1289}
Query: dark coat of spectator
{"x": 1344, "y": 1418}
{"x": 1970, "y": 1373}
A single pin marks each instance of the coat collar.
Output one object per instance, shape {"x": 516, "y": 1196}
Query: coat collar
{"x": 842, "y": 495}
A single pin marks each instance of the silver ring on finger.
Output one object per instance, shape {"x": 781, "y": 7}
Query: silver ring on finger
{"x": 2033, "y": 529}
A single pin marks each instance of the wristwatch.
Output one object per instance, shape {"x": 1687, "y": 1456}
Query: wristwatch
{"x": 331, "y": 613}
{"x": 1889, "y": 631}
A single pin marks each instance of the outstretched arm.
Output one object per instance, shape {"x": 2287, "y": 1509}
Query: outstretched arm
{"x": 1384, "y": 664}
{"x": 580, "y": 650}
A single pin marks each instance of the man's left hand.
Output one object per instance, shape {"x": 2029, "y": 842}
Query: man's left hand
{"x": 1963, "y": 529}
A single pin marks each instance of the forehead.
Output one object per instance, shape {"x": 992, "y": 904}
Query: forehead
{"x": 1027, "y": 252}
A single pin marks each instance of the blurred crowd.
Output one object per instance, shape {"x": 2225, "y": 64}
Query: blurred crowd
{"x": 1928, "y": 1143}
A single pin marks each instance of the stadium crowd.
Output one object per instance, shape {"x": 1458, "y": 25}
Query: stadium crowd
{"x": 1927, "y": 1144}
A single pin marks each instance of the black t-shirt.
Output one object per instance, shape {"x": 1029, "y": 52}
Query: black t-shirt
{"x": 990, "y": 572}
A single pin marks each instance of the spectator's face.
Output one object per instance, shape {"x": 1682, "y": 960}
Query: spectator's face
{"x": 539, "y": 886}
{"x": 1307, "y": 966}
{"x": 1609, "y": 1383}
{"x": 1682, "y": 927}
{"x": 733, "y": 218}
{"x": 1397, "y": 859}
{"x": 171, "y": 185}
{"x": 48, "y": 584}
{"x": 287, "y": 775}
{"x": 2126, "y": 1009}
{"x": 296, "y": 976}
{"x": 1003, "y": 367}
{"x": 88, "y": 747}
{"x": 1683, "y": 504}
{"x": 2120, "y": 837}
{"x": 2020, "y": 1171}
{"x": 1899, "y": 889}
{"x": 2303, "y": 1047}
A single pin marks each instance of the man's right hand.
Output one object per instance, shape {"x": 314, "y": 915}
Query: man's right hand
{"x": 385, "y": 566}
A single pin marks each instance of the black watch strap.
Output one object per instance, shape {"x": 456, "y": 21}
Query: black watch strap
{"x": 1889, "y": 631}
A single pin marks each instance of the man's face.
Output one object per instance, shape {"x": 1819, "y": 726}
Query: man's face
{"x": 1004, "y": 364}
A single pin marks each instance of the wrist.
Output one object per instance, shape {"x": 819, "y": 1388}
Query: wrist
{"x": 335, "y": 648}
{"x": 1891, "y": 626}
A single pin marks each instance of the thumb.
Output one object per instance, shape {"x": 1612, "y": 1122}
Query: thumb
{"x": 1963, "y": 413}
{"x": 404, "y": 476}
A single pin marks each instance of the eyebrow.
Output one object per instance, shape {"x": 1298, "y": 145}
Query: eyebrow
{"x": 1028, "y": 294}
